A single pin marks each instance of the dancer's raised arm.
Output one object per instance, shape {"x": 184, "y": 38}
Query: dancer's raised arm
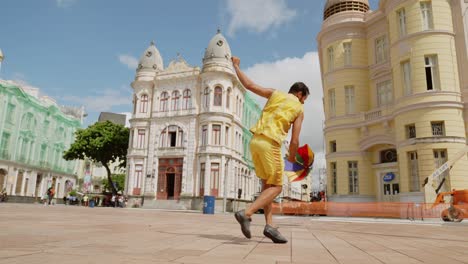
{"x": 249, "y": 84}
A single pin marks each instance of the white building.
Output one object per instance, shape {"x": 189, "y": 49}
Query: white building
{"x": 190, "y": 129}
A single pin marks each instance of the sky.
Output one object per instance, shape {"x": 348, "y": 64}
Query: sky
{"x": 85, "y": 52}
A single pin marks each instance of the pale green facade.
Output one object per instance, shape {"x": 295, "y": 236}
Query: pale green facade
{"x": 34, "y": 133}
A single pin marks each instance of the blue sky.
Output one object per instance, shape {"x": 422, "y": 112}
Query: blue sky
{"x": 82, "y": 52}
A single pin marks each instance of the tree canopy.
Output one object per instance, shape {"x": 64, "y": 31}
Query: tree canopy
{"x": 119, "y": 181}
{"x": 103, "y": 142}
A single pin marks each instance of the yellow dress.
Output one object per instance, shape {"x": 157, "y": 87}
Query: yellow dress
{"x": 271, "y": 129}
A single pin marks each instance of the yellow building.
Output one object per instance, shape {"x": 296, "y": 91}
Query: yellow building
{"x": 394, "y": 98}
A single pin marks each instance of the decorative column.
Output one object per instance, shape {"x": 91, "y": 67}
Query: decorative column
{"x": 207, "y": 184}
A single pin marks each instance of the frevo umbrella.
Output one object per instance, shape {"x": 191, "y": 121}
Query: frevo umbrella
{"x": 297, "y": 171}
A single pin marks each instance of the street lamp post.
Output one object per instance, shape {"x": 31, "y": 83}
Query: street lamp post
{"x": 226, "y": 173}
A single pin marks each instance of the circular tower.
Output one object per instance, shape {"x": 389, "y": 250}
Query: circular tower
{"x": 343, "y": 49}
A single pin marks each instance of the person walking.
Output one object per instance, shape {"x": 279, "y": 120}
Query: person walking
{"x": 280, "y": 112}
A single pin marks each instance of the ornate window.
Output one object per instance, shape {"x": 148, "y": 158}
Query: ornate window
{"x": 406, "y": 77}
{"x": 28, "y": 122}
{"x": 175, "y": 100}
{"x": 171, "y": 137}
{"x": 411, "y": 131}
{"x": 381, "y": 49}
{"x": 216, "y": 135}
{"x": 141, "y": 138}
{"x": 333, "y": 176}
{"x": 331, "y": 103}
{"x": 144, "y": 103}
{"x": 347, "y": 53}
{"x": 384, "y": 93}
{"x": 432, "y": 72}
{"x": 333, "y": 146}
{"x": 353, "y": 177}
{"x": 349, "y": 100}
{"x": 440, "y": 157}
{"x": 204, "y": 135}
{"x": 164, "y": 102}
{"x": 401, "y": 14}
{"x": 218, "y": 96}
{"x": 413, "y": 171}
{"x": 426, "y": 13}
{"x": 331, "y": 58}
{"x": 206, "y": 97}
{"x": 226, "y": 138}
{"x": 187, "y": 100}
{"x": 438, "y": 128}
{"x": 214, "y": 178}
{"x": 202, "y": 178}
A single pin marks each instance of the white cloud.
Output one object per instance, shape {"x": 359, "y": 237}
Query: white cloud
{"x": 64, "y": 3}
{"x": 130, "y": 61}
{"x": 281, "y": 74}
{"x": 257, "y": 15}
{"x": 102, "y": 101}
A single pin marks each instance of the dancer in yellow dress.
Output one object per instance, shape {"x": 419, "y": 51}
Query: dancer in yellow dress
{"x": 280, "y": 112}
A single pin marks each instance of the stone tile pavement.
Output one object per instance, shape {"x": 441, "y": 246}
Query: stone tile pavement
{"x": 69, "y": 234}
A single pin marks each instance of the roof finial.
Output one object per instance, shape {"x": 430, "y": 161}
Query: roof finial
{"x": 219, "y": 30}
{"x": 152, "y": 43}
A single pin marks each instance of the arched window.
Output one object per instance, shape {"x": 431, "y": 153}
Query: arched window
{"x": 206, "y": 97}
{"x": 164, "y": 102}
{"x": 28, "y": 122}
{"x": 218, "y": 96}
{"x": 228, "y": 99}
{"x": 135, "y": 101}
{"x": 187, "y": 100}
{"x": 171, "y": 137}
{"x": 144, "y": 103}
{"x": 175, "y": 100}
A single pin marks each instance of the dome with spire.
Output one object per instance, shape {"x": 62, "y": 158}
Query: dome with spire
{"x": 336, "y": 6}
{"x": 218, "y": 48}
{"x": 151, "y": 60}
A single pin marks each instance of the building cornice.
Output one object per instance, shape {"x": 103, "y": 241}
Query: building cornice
{"x": 344, "y": 154}
{"x": 393, "y": 114}
{"x": 431, "y": 140}
{"x": 346, "y": 68}
{"x": 383, "y": 139}
{"x": 422, "y": 33}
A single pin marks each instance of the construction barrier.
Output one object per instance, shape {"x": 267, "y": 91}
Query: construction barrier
{"x": 371, "y": 209}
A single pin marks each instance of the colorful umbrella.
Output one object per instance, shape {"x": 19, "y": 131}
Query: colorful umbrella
{"x": 297, "y": 171}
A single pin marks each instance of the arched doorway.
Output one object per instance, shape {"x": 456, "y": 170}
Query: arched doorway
{"x": 170, "y": 183}
{"x": 19, "y": 182}
{"x": 3, "y": 174}
{"x": 38, "y": 185}
{"x": 170, "y": 178}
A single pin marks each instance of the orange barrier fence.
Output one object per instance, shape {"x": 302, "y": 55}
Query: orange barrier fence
{"x": 371, "y": 209}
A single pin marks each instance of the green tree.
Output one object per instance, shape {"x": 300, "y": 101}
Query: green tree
{"x": 118, "y": 179}
{"x": 103, "y": 142}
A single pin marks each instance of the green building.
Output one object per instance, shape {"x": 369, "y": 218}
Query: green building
{"x": 34, "y": 133}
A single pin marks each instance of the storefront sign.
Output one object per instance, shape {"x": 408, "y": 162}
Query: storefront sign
{"x": 389, "y": 177}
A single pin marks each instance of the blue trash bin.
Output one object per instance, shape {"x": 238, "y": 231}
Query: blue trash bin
{"x": 208, "y": 204}
{"x": 91, "y": 203}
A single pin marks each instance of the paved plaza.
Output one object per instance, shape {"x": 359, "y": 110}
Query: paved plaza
{"x": 71, "y": 234}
